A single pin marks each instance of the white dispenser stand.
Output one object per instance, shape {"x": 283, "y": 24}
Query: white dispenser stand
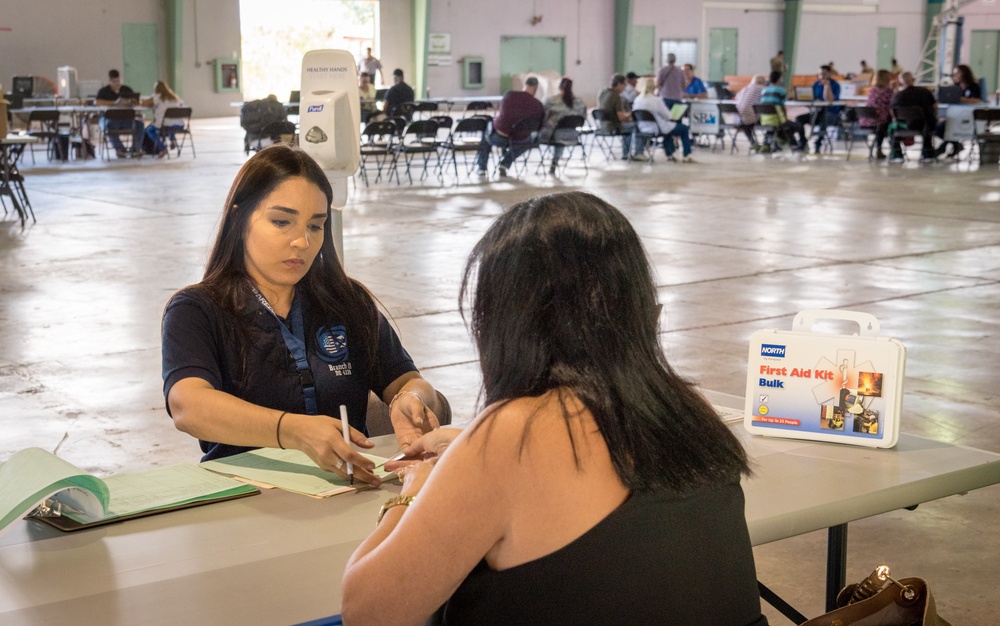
{"x": 329, "y": 124}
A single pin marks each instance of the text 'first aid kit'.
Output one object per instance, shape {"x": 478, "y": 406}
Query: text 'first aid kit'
{"x": 826, "y": 387}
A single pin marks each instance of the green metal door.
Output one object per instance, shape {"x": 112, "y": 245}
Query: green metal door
{"x": 721, "y": 53}
{"x": 886, "y": 48}
{"x": 140, "y": 57}
{"x": 984, "y": 58}
{"x": 530, "y": 54}
{"x": 641, "y": 49}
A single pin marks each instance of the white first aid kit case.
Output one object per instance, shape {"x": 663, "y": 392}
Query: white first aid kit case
{"x": 821, "y": 386}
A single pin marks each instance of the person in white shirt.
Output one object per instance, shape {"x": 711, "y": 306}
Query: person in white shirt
{"x": 162, "y": 99}
{"x": 370, "y": 64}
{"x": 631, "y": 91}
{"x": 668, "y": 129}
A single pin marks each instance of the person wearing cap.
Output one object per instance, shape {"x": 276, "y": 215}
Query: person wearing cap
{"x": 631, "y": 90}
{"x": 515, "y": 107}
{"x": 618, "y": 119}
{"x": 399, "y": 93}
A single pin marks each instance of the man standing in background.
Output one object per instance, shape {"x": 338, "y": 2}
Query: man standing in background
{"x": 369, "y": 64}
{"x": 670, "y": 82}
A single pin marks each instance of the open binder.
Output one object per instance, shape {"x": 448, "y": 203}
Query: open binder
{"x": 39, "y": 484}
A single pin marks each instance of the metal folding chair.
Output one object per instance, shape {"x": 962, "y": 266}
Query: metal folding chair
{"x": 567, "y": 135}
{"x": 850, "y": 122}
{"x": 378, "y": 144}
{"x": 419, "y": 140}
{"x": 169, "y": 134}
{"x": 465, "y": 139}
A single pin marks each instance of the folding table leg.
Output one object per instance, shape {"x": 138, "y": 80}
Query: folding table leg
{"x": 836, "y": 563}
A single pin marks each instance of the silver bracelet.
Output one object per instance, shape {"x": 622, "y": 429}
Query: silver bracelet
{"x": 409, "y": 391}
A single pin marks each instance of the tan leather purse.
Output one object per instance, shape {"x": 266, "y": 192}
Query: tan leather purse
{"x": 880, "y": 600}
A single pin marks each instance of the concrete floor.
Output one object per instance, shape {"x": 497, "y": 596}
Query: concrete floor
{"x": 738, "y": 243}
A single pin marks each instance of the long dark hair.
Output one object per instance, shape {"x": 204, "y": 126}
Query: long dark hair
{"x": 332, "y": 294}
{"x": 564, "y": 300}
{"x": 968, "y": 78}
{"x": 566, "y": 87}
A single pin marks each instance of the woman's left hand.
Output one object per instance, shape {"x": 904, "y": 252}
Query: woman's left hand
{"x": 411, "y": 418}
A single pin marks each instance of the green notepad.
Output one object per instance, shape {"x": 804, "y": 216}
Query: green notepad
{"x": 291, "y": 470}
{"x": 33, "y": 476}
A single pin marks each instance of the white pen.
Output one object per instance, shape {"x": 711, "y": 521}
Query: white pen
{"x": 397, "y": 457}
{"x": 347, "y": 438}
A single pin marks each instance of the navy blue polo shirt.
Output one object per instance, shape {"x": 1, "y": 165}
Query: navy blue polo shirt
{"x": 200, "y": 340}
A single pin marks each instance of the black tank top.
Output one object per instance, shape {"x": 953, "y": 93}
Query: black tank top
{"x": 657, "y": 559}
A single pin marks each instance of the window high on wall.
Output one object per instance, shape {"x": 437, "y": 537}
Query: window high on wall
{"x": 686, "y": 51}
{"x": 276, "y": 35}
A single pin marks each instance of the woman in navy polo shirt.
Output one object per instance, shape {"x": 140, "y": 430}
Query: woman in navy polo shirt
{"x": 265, "y": 350}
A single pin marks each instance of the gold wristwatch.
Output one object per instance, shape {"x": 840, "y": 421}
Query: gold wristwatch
{"x": 391, "y": 502}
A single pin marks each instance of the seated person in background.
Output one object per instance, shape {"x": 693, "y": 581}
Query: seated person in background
{"x": 514, "y": 107}
{"x": 913, "y": 96}
{"x": 597, "y": 486}
{"x": 399, "y": 93}
{"x": 879, "y": 97}
{"x": 163, "y": 98}
{"x": 618, "y": 119}
{"x": 557, "y": 107}
{"x": 631, "y": 90}
{"x": 366, "y": 91}
{"x": 866, "y": 75}
{"x": 745, "y": 101}
{"x": 972, "y": 93}
{"x": 788, "y": 130}
{"x": 276, "y": 338}
{"x": 665, "y": 126}
{"x": 825, "y": 89}
{"x": 694, "y": 89}
{"x": 117, "y": 94}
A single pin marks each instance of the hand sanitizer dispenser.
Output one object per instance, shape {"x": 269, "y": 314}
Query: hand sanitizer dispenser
{"x": 329, "y": 124}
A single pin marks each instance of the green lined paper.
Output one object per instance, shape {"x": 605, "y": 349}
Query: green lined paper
{"x": 291, "y": 470}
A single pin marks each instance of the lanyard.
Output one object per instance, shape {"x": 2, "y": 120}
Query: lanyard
{"x": 296, "y": 343}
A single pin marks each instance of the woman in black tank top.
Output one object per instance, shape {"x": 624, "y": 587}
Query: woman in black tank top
{"x": 597, "y": 486}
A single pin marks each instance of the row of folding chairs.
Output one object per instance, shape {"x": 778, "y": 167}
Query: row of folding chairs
{"x": 855, "y": 124}
{"x": 765, "y": 133}
{"x": 426, "y": 109}
{"x": 385, "y": 142}
{"x": 605, "y": 139}
{"x": 439, "y": 142}
{"x": 55, "y": 131}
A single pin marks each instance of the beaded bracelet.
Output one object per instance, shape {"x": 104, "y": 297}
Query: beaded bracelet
{"x": 410, "y": 391}
{"x": 277, "y": 429}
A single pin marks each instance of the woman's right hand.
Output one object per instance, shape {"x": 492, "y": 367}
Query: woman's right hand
{"x": 322, "y": 439}
{"x": 428, "y": 446}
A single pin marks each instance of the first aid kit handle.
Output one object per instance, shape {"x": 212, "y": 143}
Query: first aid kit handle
{"x": 867, "y": 323}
